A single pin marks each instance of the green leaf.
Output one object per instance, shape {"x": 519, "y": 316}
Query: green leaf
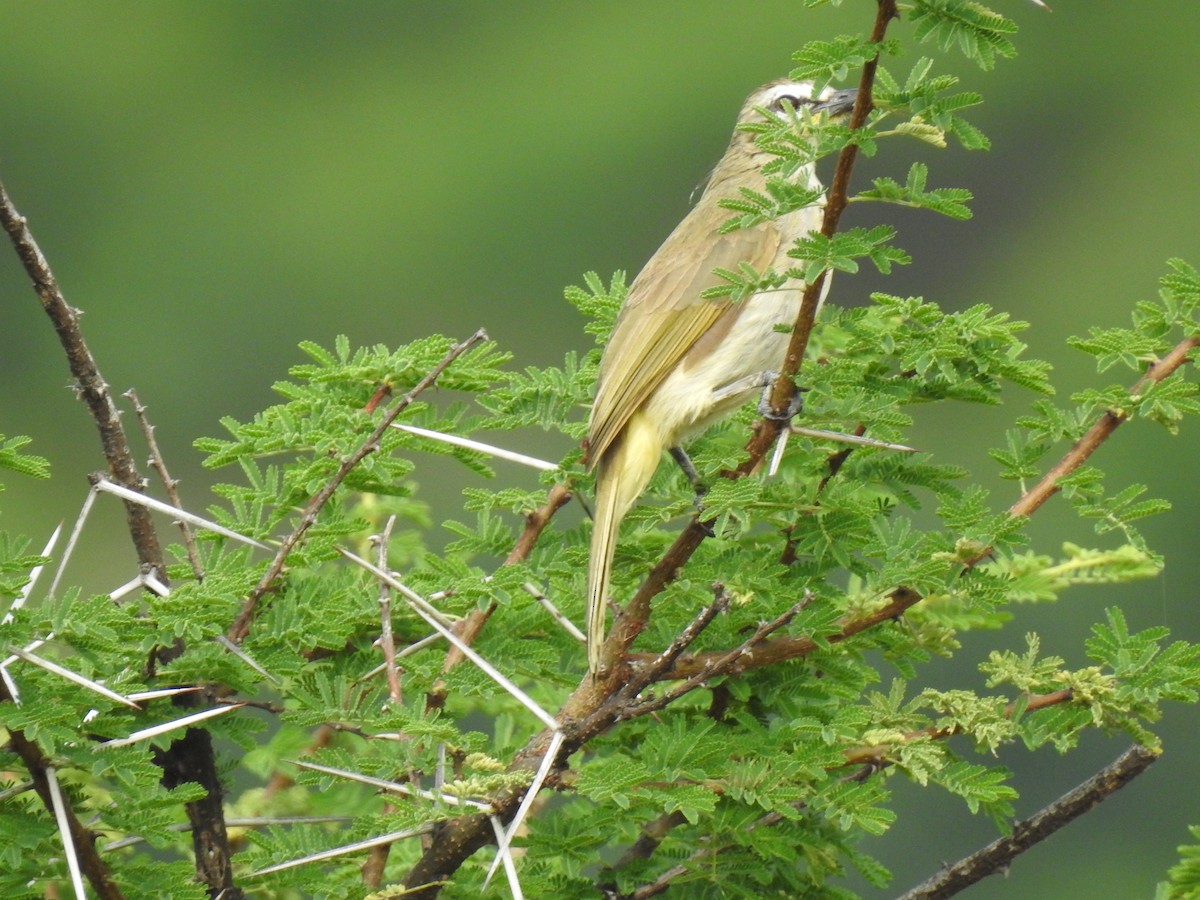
{"x": 947, "y": 201}
{"x": 14, "y": 460}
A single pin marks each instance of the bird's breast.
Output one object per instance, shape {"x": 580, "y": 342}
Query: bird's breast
{"x": 745, "y": 341}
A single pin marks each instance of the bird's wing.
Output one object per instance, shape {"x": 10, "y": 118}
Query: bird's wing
{"x": 664, "y": 315}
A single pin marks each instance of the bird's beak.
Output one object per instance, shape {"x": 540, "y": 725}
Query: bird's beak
{"x": 837, "y": 103}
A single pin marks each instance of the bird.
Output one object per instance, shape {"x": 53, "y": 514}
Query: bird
{"x": 676, "y": 362}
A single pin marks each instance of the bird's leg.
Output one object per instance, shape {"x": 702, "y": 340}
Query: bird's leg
{"x": 689, "y": 470}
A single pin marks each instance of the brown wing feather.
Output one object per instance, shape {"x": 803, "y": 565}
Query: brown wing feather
{"x": 664, "y": 314}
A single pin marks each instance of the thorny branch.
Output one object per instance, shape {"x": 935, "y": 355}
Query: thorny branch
{"x": 89, "y": 383}
{"x": 170, "y": 485}
{"x": 1101, "y": 431}
{"x": 901, "y": 599}
{"x": 190, "y": 758}
{"x": 873, "y": 760}
{"x": 469, "y": 626}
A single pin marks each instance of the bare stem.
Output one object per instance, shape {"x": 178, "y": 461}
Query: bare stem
{"x": 387, "y": 641}
{"x": 90, "y": 384}
{"x": 998, "y": 855}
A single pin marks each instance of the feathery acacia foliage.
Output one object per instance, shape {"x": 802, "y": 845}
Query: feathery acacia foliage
{"x": 781, "y": 710}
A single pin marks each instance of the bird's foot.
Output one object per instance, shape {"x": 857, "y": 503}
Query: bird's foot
{"x": 795, "y": 404}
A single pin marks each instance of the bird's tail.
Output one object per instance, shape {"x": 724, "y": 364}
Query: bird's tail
{"x": 621, "y": 475}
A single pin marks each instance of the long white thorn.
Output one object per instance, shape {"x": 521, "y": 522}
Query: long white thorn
{"x": 34, "y": 573}
{"x": 478, "y": 446}
{"x": 510, "y": 867}
{"x": 84, "y": 510}
{"x": 103, "y": 484}
{"x": 163, "y": 728}
{"x": 392, "y": 786}
{"x": 64, "y": 829}
{"x": 535, "y": 787}
{"x": 75, "y": 677}
{"x": 432, "y": 616}
{"x": 344, "y": 850}
{"x": 567, "y": 625}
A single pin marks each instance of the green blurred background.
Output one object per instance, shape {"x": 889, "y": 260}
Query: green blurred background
{"x": 215, "y": 182}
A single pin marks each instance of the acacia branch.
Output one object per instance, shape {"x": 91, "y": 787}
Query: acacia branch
{"x": 902, "y": 598}
{"x": 170, "y": 485}
{"x": 836, "y": 201}
{"x": 998, "y": 855}
{"x": 593, "y": 707}
{"x": 308, "y": 517}
{"x": 878, "y": 757}
{"x": 468, "y": 628}
{"x": 780, "y": 649}
{"x": 722, "y": 665}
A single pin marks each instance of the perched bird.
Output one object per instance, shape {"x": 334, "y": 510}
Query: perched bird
{"x": 674, "y": 361}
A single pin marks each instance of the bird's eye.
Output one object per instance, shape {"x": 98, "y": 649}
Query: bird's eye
{"x": 794, "y": 102}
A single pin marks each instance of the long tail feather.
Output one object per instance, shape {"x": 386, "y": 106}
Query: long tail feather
{"x": 604, "y": 543}
{"x": 621, "y": 477}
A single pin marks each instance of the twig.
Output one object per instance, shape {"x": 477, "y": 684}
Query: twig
{"x": 377, "y": 856}
{"x": 468, "y": 629}
{"x": 432, "y": 617}
{"x": 241, "y": 626}
{"x": 387, "y": 641}
{"x": 836, "y": 200}
{"x": 1101, "y": 431}
{"x": 653, "y": 668}
{"x": 876, "y": 758}
{"x": 536, "y": 522}
{"x": 721, "y": 665}
{"x": 170, "y": 485}
{"x": 92, "y": 387}
{"x": 996, "y": 856}
{"x": 779, "y": 649}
